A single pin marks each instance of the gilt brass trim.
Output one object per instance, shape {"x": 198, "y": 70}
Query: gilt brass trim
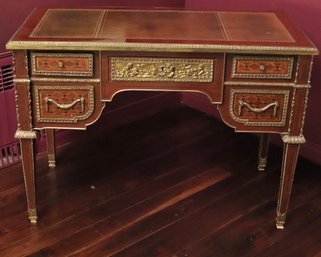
{"x": 162, "y": 69}
{"x": 158, "y": 47}
{"x": 22, "y": 134}
{"x": 65, "y": 120}
{"x": 280, "y": 220}
{"x": 33, "y": 216}
{"x": 304, "y": 110}
{"x": 36, "y": 71}
{"x": 51, "y": 160}
{"x": 307, "y": 86}
{"x": 281, "y": 123}
{"x": 80, "y": 100}
{"x": 288, "y": 75}
{"x": 65, "y": 80}
{"x": 21, "y": 81}
{"x": 292, "y": 109}
{"x": 293, "y": 139}
{"x": 249, "y": 83}
{"x": 262, "y": 163}
{"x": 275, "y": 105}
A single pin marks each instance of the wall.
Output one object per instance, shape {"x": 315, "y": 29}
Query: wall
{"x": 307, "y": 15}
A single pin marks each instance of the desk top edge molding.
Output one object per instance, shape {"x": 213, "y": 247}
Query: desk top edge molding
{"x": 159, "y": 47}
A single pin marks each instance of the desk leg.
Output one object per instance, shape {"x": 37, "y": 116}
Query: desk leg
{"x": 263, "y": 151}
{"x": 51, "y": 152}
{"x": 290, "y": 156}
{"x": 28, "y": 164}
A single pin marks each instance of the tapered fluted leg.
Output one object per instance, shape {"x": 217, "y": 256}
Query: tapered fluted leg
{"x": 290, "y": 156}
{"x": 263, "y": 151}
{"x": 51, "y": 151}
{"x": 27, "y": 151}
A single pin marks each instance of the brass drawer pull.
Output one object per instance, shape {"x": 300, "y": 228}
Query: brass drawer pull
{"x": 81, "y": 100}
{"x": 262, "y": 67}
{"x": 275, "y": 105}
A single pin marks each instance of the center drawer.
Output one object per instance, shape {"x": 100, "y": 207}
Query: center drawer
{"x": 159, "y": 72}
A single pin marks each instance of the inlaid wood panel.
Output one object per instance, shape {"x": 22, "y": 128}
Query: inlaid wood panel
{"x": 65, "y": 104}
{"x": 259, "y": 107}
{"x": 62, "y": 64}
{"x": 262, "y": 67}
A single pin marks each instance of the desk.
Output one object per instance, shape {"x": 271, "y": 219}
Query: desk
{"x": 255, "y": 66}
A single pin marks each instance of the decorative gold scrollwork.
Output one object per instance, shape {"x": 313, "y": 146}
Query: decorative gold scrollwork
{"x": 161, "y": 69}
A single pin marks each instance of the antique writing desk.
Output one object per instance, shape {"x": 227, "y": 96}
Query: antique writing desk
{"x": 254, "y": 66}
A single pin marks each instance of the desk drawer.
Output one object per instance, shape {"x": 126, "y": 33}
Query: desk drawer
{"x": 63, "y": 104}
{"x": 162, "y": 69}
{"x": 262, "y": 67}
{"x": 193, "y": 72}
{"x": 259, "y": 107}
{"x": 62, "y": 64}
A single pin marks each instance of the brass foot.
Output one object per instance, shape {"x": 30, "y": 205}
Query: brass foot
{"x": 51, "y": 164}
{"x": 33, "y": 216}
{"x": 279, "y": 225}
{"x": 51, "y": 160}
{"x": 33, "y": 220}
{"x": 262, "y": 164}
{"x": 280, "y": 220}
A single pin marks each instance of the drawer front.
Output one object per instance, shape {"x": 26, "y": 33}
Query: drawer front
{"x": 259, "y": 107}
{"x": 181, "y": 72}
{"x": 262, "y": 67}
{"x": 162, "y": 69}
{"x": 63, "y": 104}
{"x": 62, "y": 64}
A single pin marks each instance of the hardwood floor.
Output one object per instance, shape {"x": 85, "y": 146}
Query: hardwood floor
{"x": 177, "y": 184}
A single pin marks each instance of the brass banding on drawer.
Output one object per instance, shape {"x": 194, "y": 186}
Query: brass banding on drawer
{"x": 162, "y": 69}
{"x": 65, "y": 104}
{"x": 62, "y": 64}
{"x": 264, "y": 67}
{"x": 254, "y": 107}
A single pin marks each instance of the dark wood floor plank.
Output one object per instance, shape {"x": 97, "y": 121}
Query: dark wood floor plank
{"x": 103, "y": 212}
{"x": 116, "y": 204}
{"x": 304, "y": 241}
{"x": 250, "y": 234}
{"x": 111, "y": 244}
{"x": 53, "y": 188}
{"x": 199, "y": 151}
{"x": 142, "y": 210}
{"x": 175, "y": 184}
{"x": 171, "y": 239}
